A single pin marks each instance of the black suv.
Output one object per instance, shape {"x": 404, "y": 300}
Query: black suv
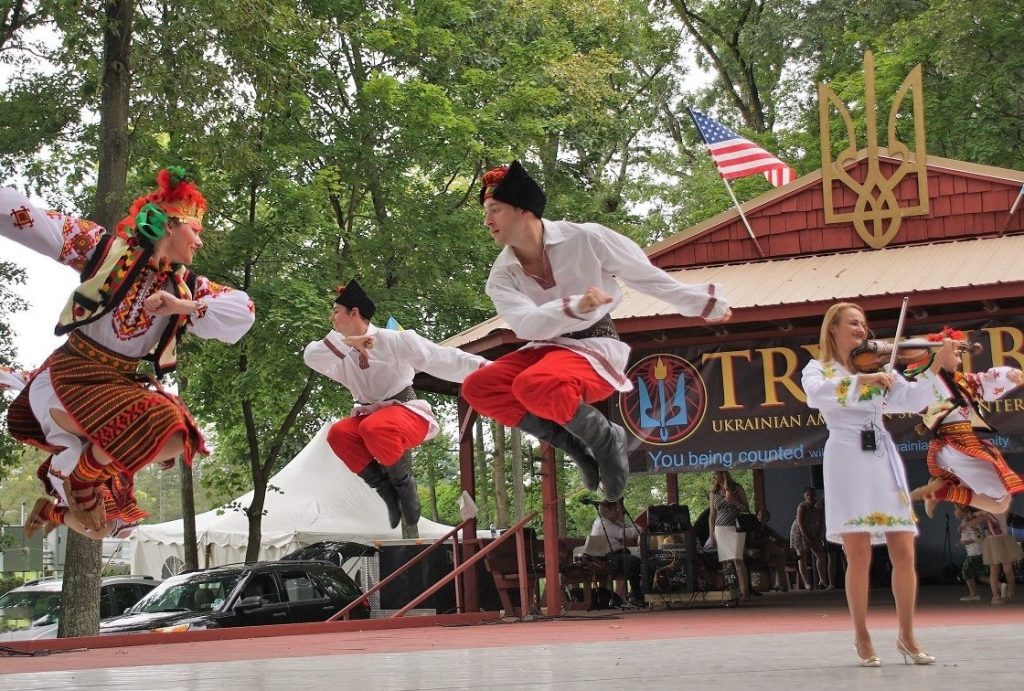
{"x": 252, "y": 594}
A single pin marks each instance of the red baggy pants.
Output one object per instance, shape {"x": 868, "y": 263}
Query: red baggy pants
{"x": 384, "y": 435}
{"x": 547, "y": 382}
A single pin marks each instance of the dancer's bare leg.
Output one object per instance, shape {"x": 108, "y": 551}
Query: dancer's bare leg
{"x": 993, "y": 506}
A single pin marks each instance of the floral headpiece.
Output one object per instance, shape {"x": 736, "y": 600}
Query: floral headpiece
{"x": 176, "y": 196}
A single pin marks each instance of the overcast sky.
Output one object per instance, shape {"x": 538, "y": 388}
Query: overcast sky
{"x": 46, "y": 290}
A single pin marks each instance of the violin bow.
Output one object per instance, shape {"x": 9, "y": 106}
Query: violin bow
{"x": 899, "y": 334}
{"x": 904, "y": 495}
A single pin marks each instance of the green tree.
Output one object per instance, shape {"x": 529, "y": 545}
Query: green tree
{"x": 10, "y": 303}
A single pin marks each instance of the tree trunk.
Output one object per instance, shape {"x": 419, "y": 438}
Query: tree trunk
{"x": 432, "y": 490}
{"x": 188, "y": 517}
{"x": 518, "y": 490}
{"x": 500, "y": 484}
{"x": 255, "y": 515}
{"x": 80, "y": 591}
{"x": 80, "y": 608}
{"x": 114, "y": 99}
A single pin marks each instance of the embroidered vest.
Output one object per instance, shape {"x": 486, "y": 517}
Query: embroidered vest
{"x": 936, "y": 413}
{"x": 114, "y": 266}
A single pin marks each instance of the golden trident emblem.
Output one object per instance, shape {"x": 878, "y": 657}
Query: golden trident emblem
{"x": 877, "y": 213}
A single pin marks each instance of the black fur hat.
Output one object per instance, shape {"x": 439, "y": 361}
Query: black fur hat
{"x": 352, "y": 295}
{"x": 513, "y": 185}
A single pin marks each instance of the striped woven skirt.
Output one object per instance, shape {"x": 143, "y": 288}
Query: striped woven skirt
{"x": 126, "y": 415}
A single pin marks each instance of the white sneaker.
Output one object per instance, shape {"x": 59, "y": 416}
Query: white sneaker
{"x": 970, "y": 598}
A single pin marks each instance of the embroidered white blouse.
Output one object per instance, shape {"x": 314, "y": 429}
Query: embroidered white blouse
{"x": 392, "y": 363}
{"x": 581, "y": 256}
{"x": 224, "y": 313}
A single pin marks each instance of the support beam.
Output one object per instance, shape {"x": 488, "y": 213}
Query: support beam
{"x": 467, "y": 480}
{"x": 549, "y": 500}
{"x": 672, "y": 487}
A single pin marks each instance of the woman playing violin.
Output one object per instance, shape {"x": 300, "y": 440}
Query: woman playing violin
{"x": 965, "y": 469}
{"x": 866, "y": 494}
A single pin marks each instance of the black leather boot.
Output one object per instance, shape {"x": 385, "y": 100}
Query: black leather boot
{"x": 607, "y": 441}
{"x": 375, "y": 477}
{"x": 404, "y": 485}
{"x": 558, "y": 437}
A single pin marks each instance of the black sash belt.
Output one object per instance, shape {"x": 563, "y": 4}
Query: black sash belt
{"x": 603, "y": 328}
{"x": 404, "y": 396}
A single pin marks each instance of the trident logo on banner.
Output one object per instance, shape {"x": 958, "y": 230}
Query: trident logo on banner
{"x": 662, "y": 416}
{"x": 877, "y": 213}
{"x": 668, "y": 402}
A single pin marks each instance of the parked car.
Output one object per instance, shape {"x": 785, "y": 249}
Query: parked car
{"x": 32, "y": 610}
{"x": 251, "y": 594}
{"x": 336, "y": 552}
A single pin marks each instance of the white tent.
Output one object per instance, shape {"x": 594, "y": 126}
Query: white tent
{"x": 319, "y": 499}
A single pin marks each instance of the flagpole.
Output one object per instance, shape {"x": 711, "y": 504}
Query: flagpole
{"x": 1013, "y": 210}
{"x": 746, "y": 223}
{"x": 750, "y": 231}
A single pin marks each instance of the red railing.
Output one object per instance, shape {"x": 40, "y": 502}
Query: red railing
{"x": 516, "y": 530}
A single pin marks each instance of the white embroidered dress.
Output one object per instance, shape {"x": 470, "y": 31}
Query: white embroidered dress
{"x": 865, "y": 491}
{"x": 392, "y": 363}
{"x": 580, "y": 256}
{"x": 224, "y": 313}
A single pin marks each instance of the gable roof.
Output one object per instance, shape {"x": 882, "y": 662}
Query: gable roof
{"x": 965, "y": 200}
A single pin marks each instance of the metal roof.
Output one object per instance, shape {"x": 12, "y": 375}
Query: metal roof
{"x": 903, "y": 270}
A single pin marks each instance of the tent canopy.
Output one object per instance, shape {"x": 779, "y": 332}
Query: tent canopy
{"x": 316, "y": 497}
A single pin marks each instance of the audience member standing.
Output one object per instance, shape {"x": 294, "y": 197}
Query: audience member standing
{"x": 971, "y": 537}
{"x": 806, "y": 538}
{"x": 1000, "y": 549}
{"x": 727, "y": 500}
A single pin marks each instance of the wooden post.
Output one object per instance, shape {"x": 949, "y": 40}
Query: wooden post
{"x": 672, "y": 487}
{"x": 467, "y": 480}
{"x": 549, "y": 499}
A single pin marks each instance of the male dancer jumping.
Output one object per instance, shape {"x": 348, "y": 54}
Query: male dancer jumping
{"x": 554, "y": 283}
{"x": 378, "y": 366}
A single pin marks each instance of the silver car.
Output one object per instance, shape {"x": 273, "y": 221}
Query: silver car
{"x": 32, "y": 610}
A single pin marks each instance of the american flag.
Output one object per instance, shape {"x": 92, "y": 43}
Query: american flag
{"x": 737, "y": 157}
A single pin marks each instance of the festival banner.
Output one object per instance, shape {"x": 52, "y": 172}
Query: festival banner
{"x": 740, "y": 406}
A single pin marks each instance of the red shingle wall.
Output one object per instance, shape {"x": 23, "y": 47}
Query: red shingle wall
{"x": 961, "y": 205}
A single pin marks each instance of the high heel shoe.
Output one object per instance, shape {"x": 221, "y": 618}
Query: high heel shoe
{"x": 918, "y": 658}
{"x": 869, "y": 661}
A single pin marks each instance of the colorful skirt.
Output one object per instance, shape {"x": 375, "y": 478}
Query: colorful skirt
{"x": 126, "y": 415}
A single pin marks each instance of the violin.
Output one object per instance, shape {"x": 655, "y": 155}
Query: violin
{"x": 873, "y": 354}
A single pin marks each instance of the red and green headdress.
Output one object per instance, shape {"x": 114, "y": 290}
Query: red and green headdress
{"x": 176, "y": 196}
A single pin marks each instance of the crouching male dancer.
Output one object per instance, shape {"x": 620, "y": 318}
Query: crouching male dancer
{"x": 377, "y": 366}
{"x": 87, "y": 404}
{"x": 554, "y": 284}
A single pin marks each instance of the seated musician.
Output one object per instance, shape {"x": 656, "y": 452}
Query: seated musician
{"x": 611, "y": 523}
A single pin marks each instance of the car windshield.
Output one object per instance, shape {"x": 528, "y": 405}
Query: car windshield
{"x": 20, "y": 608}
{"x": 196, "y": 592}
